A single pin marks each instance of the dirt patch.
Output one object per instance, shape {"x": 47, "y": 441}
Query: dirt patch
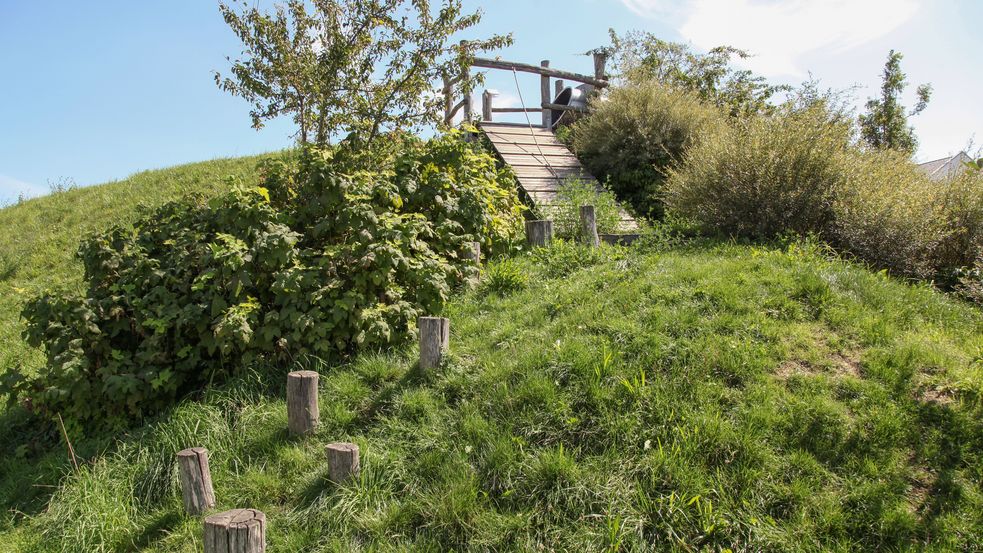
{"x": 839, "y": 364}
{"x": 935, "y": 395}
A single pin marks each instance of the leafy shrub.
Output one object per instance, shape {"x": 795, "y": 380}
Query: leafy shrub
{"x": 565, "y": 213}
{"x": 768, "y": 175}
{"x": 564, "y": 257}
{"x": 505, "y": 277}
{"x": 325, "y": 258}
{"x": 970, "y": 282}
{"x": 636, "y": 133}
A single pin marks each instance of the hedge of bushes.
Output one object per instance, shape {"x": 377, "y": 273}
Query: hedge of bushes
{"x": 337, "y": 250}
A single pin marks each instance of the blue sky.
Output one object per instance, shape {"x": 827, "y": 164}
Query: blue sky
{"x": 95, "y": 91}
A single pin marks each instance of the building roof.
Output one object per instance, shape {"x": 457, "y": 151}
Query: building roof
{"x": 943, "y": 168}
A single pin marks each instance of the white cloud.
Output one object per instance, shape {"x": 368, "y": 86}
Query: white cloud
{"x": 11, "y": 189}
{"x": 780, "y": 33}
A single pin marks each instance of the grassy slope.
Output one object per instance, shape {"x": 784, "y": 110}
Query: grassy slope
{"x": 39, "y": 238}
{"x": 702, "y": 397}
{"x": 38, "y": 241}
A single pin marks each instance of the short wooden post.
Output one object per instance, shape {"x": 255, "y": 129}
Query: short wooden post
{"x": 435, "y": 334}
{"x": 544, "y": 86}
{"x": 588, "y": 226}
{"x": 196, "y": 480}
{"x": 557, "y": 88}
{"x": 539, "y": 233}
{"x": 343, "y": 462}
{"x": 302, "y": 409}
{"x": 486, "y": 105}
{"x": 474, "y": 252}
{"x": 236, "y": 531}
{"x": 600, "y": 60}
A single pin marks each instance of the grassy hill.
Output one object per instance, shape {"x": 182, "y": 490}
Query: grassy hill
{"x": 703, "y": 396}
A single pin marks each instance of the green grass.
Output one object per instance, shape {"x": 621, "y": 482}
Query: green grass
{"x": 700, "y": 397}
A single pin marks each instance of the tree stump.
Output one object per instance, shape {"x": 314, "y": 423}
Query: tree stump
{"x": 196, "y": 480}
{"x": 435, "y": 337}
{"x": 343, "y": 462}
{"x": 588, "y": 226}
{"x": 302, "y": 410}
{"x": 539, "y": 233}
{"x": 236, "y": 531}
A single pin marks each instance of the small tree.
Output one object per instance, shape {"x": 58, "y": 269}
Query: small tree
{"x": 349, "y": 66}
{"x": 885, "y": 125}
{"x": 640, "y": 57}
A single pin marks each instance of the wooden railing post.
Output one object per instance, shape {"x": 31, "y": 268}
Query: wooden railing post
{"x": 600, "y": 60}
{"x": 486, "y": 105}
{"x": 557, "y": 88}
{"x": 544, "y": 86}
{"x": 448, "y": 100}
{"x": 465, "y": 87}
{"x": 343, "y": 462}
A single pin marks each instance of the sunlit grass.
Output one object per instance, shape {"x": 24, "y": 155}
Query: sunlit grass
{"x": 698, "y": 397}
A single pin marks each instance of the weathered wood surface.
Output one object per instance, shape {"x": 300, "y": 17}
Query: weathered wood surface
{"x": 588, "y": 226}
{"x": 474, "y": 252}
{"x": 541, "y": 163}
{"x": 539, "y": 233}
{"x": 487, "y": 63}
{"x": 343, "y": 462}
{"x": 435, "y": 333}
{"x": 303, "y": 413}
{"x": 196, "y": 480}
{"x": 236, "y": 531}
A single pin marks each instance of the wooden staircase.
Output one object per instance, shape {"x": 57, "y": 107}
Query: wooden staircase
{"x": 541, "y": 163}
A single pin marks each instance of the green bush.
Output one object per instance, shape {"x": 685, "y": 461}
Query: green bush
{"x": 636, "y": 133}
{"x": 766, "y": 176}
{"x": 565, "y": 212}
{"x": 505, "y": 277}
{"x": 325, "y": 258}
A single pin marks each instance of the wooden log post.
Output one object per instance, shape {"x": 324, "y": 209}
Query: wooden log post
{"x": 343, "y": 462}
{"x": 557, "y": 88}
{"x": 544, "y": 87}
{"x": 474, "y": 252}
{"x": 539, "y": 233}
{"x": 303, "y": 414}
{"x": 236, "y": 531}
{"x": 196, "y": 480}
{"x": 588, "y": 226}
{"x": 486, "y": 105}
{"x": 435, "y": 335}
{"x": 448, "y": 100}
{"x": 600, "y": 61}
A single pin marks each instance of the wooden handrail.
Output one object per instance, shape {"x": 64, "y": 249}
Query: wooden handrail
{"x": 544, "y": 71}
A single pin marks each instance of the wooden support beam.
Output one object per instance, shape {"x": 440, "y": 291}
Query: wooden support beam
{"x": 515, "y": 110}
{"x": 544, "y": 89}
{"x": 557, "y": 87}
{"x": 539, "y": 70}
{"x": 561, "y": 107}
{"x": 600, "y": 60}
{"x": 486, "y": 105}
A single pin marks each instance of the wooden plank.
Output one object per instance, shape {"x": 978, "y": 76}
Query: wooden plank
{"x": 487, "y": 63}
{"x": 522, "y": 139}
{"x": 561, "y": 172}
{"x": 527, "y": 160}
{"x": 520, "y": 131}
{"x": 541, "y": 150}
